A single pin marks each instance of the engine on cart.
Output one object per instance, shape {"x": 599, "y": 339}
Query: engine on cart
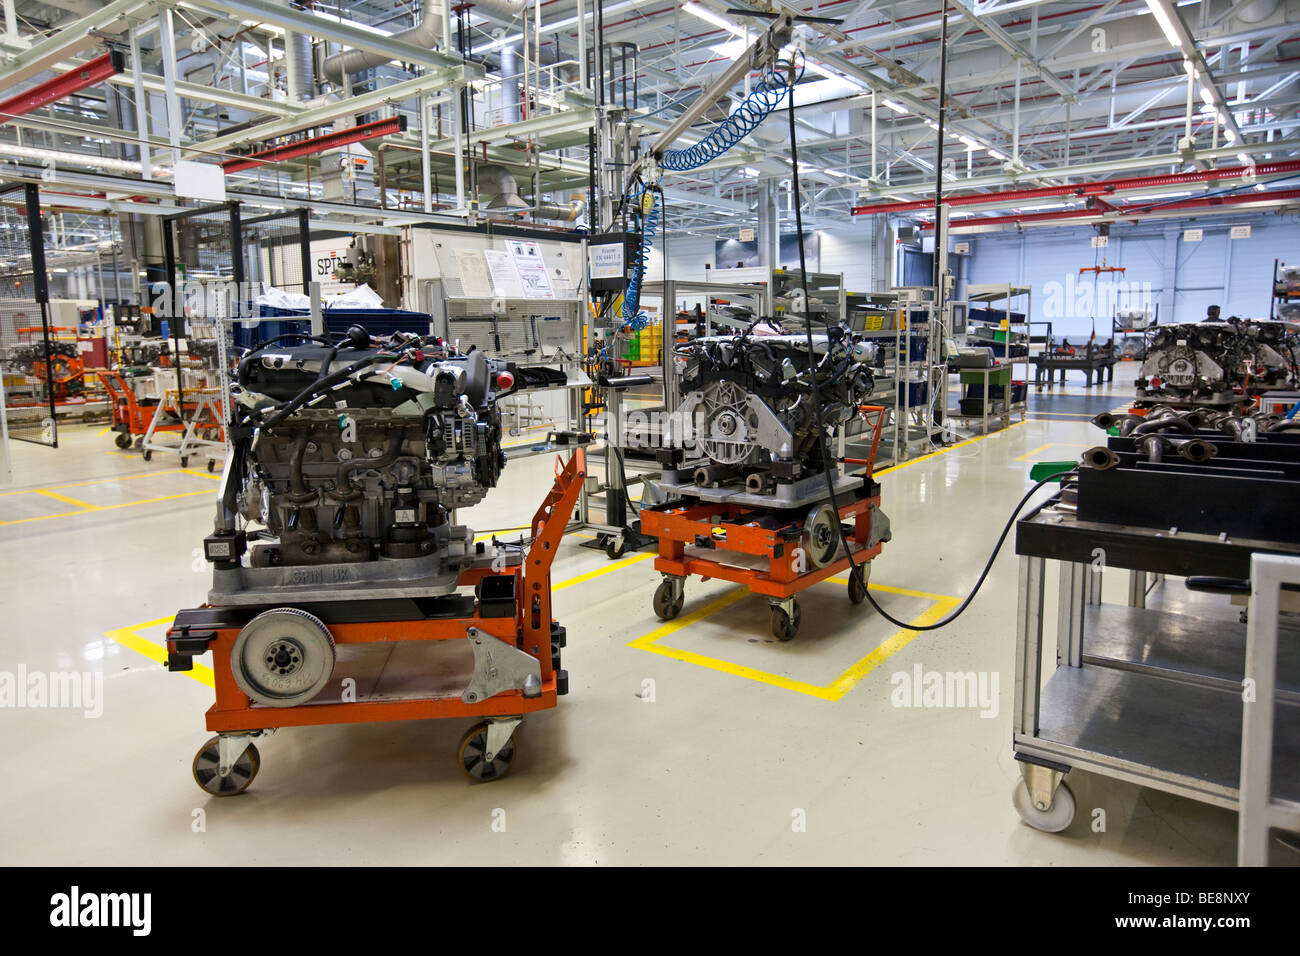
{"x": 751, "y": 404}
{"x": 1213, "y": 362}
{"x": 358, "y": 452}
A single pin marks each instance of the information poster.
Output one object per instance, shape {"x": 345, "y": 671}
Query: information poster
{"x": 527, "y": 258}
{"x": 504, "y": 275}
{"x": 474, "y": 279}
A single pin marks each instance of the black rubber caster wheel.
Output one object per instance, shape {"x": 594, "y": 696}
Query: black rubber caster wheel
{"x": 241, "y": 774}
{"x": 665, "y": 606}
{"x": 147, "y": 454}
{"x": 858, "y": 584}
{"x": 785, "y": 626}
{"x": 615, "y": 549}
{"x": 123, "y": 440}
{"x": 473, "y": 755}
{"x": 185, "y": 462}
{"x": 212, "y": 464}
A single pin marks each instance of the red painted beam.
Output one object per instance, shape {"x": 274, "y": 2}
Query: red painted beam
{"x": 1132, "y": 211}
{"x": 1011, "y": 197}
{"x": 317, "y": 144}
{"x": 74, "y": 81}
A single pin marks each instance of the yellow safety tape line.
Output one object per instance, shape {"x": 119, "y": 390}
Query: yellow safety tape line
{"x": 833, "y": 691}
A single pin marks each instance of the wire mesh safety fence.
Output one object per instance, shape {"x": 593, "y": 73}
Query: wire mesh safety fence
{"x": 37, "y": 368}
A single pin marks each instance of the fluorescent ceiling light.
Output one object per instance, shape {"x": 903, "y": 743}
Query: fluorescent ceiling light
{"x": 1166, "y": 24}
{"x": 1245, "y": 160}
{"x": 896, "y": 107}
{"x": 1207, "y": 97}
{"x": 708, "y": 16}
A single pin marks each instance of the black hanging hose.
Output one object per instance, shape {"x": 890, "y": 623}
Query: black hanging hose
{"x": 821, "y": 425}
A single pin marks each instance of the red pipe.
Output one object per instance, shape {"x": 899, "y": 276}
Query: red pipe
{"x": 317, "y": 144}
{"x": 1011, "y": 196}
{"x": 65, "y": 84}
{"x": 1134, "y": 212}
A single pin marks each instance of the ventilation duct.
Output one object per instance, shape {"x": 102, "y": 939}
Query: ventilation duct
{"x": 499, "y": 192}
{"x": 426, "y": 34}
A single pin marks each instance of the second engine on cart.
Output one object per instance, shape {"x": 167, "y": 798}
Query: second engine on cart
{"x": 759, "y": 407}
{"x": 361, "y": 452}
{"x": 1213, "y": 361}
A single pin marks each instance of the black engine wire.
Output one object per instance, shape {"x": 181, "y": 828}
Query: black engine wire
{"x": 821, "y": 424}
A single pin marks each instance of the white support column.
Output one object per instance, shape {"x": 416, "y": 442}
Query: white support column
{"x": 141, "y": 107}
{"x": 167, "y": 47}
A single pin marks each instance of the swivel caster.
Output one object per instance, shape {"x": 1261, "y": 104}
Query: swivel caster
{"x": 615, "y": 547}
{"x": 123, "y": 440}
{"x": 785, "y": 624}
{"x": 858, "y": 578}
{"x": 185, "y": 462}
{"x": 1053, "y": 818}
{"x": 212, "y": 465}
{"x": 147, "y": 454}
{"x": 669, "y": 598}
{"x": 475, "y": 755}
{"x": 240, "y": 773}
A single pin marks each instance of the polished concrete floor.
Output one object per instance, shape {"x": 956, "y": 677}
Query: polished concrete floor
{"x": 703, "y": 741}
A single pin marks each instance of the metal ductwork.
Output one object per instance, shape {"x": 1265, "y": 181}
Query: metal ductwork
{"x": 499, "y": 192}
{"x": 427, "y": 34}
{"x": 501, "y": 9}
{"x": 297, "y": 51}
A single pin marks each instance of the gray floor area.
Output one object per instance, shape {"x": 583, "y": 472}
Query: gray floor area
{"x": 704, "y": 741}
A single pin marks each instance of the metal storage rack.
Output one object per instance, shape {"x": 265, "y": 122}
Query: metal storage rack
{"x": 1148, "y": 696}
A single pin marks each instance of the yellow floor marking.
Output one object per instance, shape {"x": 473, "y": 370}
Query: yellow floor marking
{"x": 935, "y": 454}
{"x": 104, "y": 431}
{"x": 833, "y": 691}
{"x": 612, "y": 566}
{"x": 1052, "y": 444}
{"x": 100, "y": 481}
{"x": 129, "y": 638}
{"x": 76, "y": 502}
{"x": 94, "y": 508}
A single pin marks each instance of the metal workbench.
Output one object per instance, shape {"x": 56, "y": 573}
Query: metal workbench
{"x": 1153, "y": 697}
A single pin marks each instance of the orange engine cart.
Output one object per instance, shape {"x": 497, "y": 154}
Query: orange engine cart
{"x": 777, "y": 552}
{"x": 130, "y": 418}
{"x": 493, "y": 655}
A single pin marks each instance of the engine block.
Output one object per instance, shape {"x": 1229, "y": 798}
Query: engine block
{"x": 759, "y": 408}
{"x": 1211, "y": 362}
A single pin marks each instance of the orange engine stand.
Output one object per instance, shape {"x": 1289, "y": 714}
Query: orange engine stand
{"x": 772, "y": 552}
{"x": 444, "y": 671}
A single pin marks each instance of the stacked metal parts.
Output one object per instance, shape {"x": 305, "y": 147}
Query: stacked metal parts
{"x": 1196, "y": 470}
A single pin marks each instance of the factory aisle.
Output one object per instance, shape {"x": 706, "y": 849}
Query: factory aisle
{"x": 700, "y": 741}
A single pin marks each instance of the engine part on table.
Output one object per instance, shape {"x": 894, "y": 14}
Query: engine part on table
{"x": 1206, "y": 483}
{"x": 348, "y": 458}
{"x": 1239, "y": 423}
{"x": 748, "y": 405}
{"x": 1217, "y": 362}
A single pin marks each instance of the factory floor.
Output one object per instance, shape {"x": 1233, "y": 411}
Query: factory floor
{"x": 703, "y": 741}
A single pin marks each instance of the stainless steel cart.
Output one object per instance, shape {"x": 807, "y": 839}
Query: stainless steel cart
{"x": 1149, "y": 696}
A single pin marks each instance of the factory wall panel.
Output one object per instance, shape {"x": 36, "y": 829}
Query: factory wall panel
{"x": 1232, "y": 273}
